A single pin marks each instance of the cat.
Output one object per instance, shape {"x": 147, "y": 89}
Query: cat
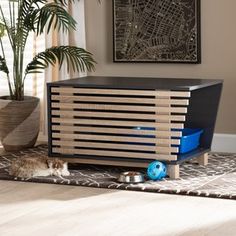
{"x": 28, "y": 167}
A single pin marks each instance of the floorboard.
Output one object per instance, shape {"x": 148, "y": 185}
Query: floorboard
{"x": 41, "y": 209}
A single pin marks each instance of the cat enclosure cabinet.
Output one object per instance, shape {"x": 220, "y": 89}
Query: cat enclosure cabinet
{"x": 131, "y": 121}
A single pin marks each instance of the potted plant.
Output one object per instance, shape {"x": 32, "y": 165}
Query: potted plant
{"x": 19, "y": 114}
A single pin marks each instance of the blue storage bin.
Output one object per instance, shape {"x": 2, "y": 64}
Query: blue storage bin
{"x": 189, "y": 141}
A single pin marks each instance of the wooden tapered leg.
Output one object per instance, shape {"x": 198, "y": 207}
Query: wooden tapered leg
{"x": 203, "y": 159}
{"x": 173, "y": 171}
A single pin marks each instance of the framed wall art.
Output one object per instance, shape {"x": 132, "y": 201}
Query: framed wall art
{"x": 165, "y": 31}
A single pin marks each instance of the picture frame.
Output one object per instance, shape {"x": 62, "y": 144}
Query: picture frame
{"x": 156, "y": 31}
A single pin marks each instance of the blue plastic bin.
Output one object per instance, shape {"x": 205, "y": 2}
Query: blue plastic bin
{"x": 189, "y": 141}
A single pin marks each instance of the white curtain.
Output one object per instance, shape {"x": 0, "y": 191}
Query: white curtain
{"x": 73, "y": 38}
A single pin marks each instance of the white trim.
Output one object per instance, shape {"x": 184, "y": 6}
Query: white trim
{"x": 224, "y": 143}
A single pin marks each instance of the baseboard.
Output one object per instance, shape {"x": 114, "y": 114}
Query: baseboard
{"x": 224, "y": 143}
{"x": 221, "y": 142}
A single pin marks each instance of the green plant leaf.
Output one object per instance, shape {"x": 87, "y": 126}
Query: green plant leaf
{"x": 64, "y": 2}
{"x": 38, "y": 16}
{"x": 3, "y": 65}
{"x": 53, "y": 14}
{"x": 2, "y": 30}
{"x": 77, "y": 58}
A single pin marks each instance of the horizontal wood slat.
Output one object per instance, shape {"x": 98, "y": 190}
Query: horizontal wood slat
{"x": 119, "y": 107}
{"x": 71, "y": 114}
{"x": 116, "y": 138}
{"x": 115, "y": 146}
{"x": 118, "y": 123}
{"x": 117, "y": 115}
{"x": 65, "y": 90}
{"x": 115, "y": 154}
{"x": 116, "y": 131}
{"x": 111, "y": 161}
{"x": 65, "y": 98}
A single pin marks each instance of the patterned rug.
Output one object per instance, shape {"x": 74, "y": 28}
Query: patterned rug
{"x": 217, "y": 179}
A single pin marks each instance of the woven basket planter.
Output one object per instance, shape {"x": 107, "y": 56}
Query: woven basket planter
{"x": 19, "y": 123}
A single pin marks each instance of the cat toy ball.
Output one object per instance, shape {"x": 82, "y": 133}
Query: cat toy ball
{"x": 156, "y": 170}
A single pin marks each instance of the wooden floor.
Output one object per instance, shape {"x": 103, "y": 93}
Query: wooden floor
{"x": 48, "y": 210}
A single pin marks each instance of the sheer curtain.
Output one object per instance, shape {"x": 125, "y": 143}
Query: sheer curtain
{"x": 33, "y": 84}
{"x": 75, "y": 38}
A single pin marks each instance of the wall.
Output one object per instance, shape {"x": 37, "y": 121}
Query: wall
{"x": 218, "y": 52}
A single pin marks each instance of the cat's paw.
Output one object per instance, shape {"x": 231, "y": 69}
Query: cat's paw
{"x": 65, "y": 173}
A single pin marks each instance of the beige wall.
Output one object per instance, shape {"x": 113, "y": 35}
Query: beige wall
{"x": 218, "y": 52}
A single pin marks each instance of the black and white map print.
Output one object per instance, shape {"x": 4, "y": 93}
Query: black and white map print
{"x": 156, "y": 31}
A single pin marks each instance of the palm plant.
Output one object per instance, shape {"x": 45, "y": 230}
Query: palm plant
{"x": 38, "y": 16}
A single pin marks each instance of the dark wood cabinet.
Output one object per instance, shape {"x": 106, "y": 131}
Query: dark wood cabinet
{"x": 130, "y": 121}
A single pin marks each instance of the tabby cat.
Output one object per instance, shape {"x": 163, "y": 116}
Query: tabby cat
{"x": 28, "y": 167}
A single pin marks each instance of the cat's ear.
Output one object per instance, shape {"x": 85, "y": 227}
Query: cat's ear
{"x": 65, "y": 165}
{"x": 49, "y": 163}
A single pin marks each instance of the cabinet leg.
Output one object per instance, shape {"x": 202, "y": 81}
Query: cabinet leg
{"x": 203, "y": 159}
{"x": 173, "y": 171}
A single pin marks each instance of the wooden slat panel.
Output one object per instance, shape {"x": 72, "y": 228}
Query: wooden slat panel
{"x": 118, "y": 115}
{"x": 115, "y": 146}
{"x": 116, "y": 131}
{"x": 66, "y": 90}
{"x": 119, "y": 107}
{"x": 118, "y": 123}
{"x": 116, "y": 138}
{"x": 65, "y": 98}
{"x": 111, "y": 161}
{"x": 115, "y": 154}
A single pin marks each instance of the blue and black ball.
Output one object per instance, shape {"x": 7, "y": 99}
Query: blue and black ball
{"x": 156, "y": 170}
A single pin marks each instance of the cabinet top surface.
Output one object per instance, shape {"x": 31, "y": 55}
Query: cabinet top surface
{"x": 138, "y": 83}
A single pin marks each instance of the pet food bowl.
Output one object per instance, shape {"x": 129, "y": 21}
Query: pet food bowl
{"x": 131, "y": 177}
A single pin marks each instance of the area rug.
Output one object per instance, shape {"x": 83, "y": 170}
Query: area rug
{"x": 216, "y": 180}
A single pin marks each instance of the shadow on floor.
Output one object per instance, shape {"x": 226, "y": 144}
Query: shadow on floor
{"x": 227, "y": 228}
{"x": 11, "y": 191}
